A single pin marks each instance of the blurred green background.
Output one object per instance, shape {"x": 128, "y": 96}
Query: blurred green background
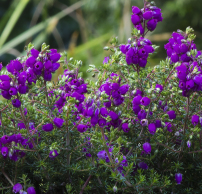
{"x": 84, "y": 27}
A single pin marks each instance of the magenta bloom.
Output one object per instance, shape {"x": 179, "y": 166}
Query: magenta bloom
{"x": 152, "y": 128}
{"x": 31, "y": 190}
{"x": 17, "y": 187}
{"x": 158, "y": 123}
{"x": 160, "y": 87}
{"x": 151, "y": 24}
{"x": 53, "y": 154}
{"x": 171, "y": 114}
{"x": 145, "y": 101}
{"x": 136, "y": 100}
{"x": 188, "y": 144}
{"x": 47, "y": 127}
{"x": 58, "y": 122}
{"x": 195, "y": 120}
{"x": 178, "y": 178}
{"x": 102, "y": 122}
{"x": 106, "y": 59}
{"x": 113, "y": 115}
{"x": 4, "y": 152}
{"x": 81, "y": 128}
{"x": 104, "y": 112}
{"x": 13, "y": 91}
{"x": 143, "y": 165}
{"x": 16, "y": 103}
{"x": 147, "y": 147}
{"x": 168, "y": 126}
{"x": 125, "y": 127}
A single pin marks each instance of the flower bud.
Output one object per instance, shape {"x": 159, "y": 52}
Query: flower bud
{"x": 115, "y": 189}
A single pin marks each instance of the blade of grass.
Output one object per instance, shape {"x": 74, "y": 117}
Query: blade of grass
{"x": 37, "y": 28}
{"x": 7, "y": 14}
{"x": 12, "y": 21}
{"x": 92, "y": 43}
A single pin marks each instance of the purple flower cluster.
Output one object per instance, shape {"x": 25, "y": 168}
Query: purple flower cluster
{"x": 74, "y": 87}
{"x": 88, "y": 146}
{"x": 139, "y": 101}
{"x": 17, "y": 188}
{"x": 8, "y": 144}
{"x": 103, "y": 155}
{"x": 149, "y": 15}
{"x": 97, "y": 114}
{"x": 137, "y": 52}
{"x": 24, "y": 73}
{"x": 189, "y": 72}
{"x": 122, "y": 164}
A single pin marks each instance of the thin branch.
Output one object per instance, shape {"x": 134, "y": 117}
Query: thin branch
{"x": 86, "y": 183}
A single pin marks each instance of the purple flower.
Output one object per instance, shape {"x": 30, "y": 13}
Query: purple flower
{"x": 188, "y": 144}
{"x": 5, "y": 78}
{"x": 55, "y": 57}
{"x": 159, "y": 87}
{"x": 5, "y": 85}
{"x": 82, "y": 128}
{"x": 144, "y": 122}
{"x": 31, "y": 190}
{"x": 136, "y": 10}
{"x": 16, "y": 103}
{"x": 135, "y": 19}
{"x": 171, "y": 114}
{"x": 136, "y": 109}
{"x": 143, "y": 165}
{"x": 102, "y": 122}
{"x": 34, "y": 53}
{"x": 152, "y": 128}
{"x": 174, "y": 57}
{"x": 13, "y": 91}
{"x": 94, "y": 120}
{"x": 145, "y": 101}
{"x": 53, "y": 154}
{"x": 113, "y": 115}
{"x": 47, "y": 76}
{"x": 58, "y": 122}
{"x": 195, "y": 120}
{"x": 142, "y": 114}
{"x": 168, "y": 126}
{"x": 48, "y": 127}
{"x": 136, "y": 100}
{"x": 151, "y": 24}
{"x": 23, "y": 89}
{"x": 1, "y": 66}
{"x": 147, "y": 15}
{"x": 104, "y": 112}
{"x": 125, "y": 127}
{"x": 178, "y": 178}
{"x": 25, "y": 111}
{"x": 30, "y": 61}
{"x": 6, "y": 94}
{"x": 158, "y": 123}
{"x": 38, "y": 66}
{"x": 147, "y": 147}
{"x": 123, "y": 89}
{"x": 5, "y": 139}
{"x": 17, "y": 187}
{"x": 106, "y": 59}
{"x": 4, "y": 152}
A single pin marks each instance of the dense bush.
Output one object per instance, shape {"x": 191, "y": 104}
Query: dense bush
{"x": 135, "y": 130}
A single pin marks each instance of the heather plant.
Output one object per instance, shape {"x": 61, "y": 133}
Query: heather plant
{"x": 136, "y": 129}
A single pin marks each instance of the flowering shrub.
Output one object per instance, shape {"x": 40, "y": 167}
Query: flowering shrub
{"x": 136, "y": 129}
